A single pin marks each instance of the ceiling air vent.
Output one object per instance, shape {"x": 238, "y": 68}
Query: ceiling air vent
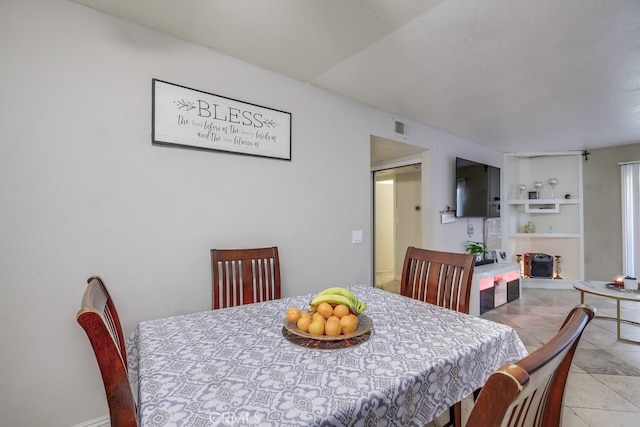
{"x": 401, "y": 128}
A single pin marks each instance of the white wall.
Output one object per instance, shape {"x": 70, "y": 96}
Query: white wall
{"x": 83, "y": 192}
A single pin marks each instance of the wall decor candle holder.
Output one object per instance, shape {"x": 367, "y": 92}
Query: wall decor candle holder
{"x": 538, "y": 186}
{"x": 557, "y": 267}
{"x": 553, "y": 182}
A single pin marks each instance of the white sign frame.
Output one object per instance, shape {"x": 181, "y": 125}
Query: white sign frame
{"x": 502, "y": 256}
{"x": 182, "y": 116}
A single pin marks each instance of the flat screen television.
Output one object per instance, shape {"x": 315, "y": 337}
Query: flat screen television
{"x": 477, "y": 189}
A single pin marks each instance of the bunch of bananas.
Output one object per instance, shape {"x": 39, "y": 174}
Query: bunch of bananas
{"x": 338, "y": 295}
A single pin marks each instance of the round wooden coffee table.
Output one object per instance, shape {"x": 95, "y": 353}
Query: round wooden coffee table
{"x": 607, "y": 290}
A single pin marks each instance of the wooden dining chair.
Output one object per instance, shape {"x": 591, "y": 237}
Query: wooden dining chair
{"x": 439, "y": 278}
{"x": 530, "y": 392}
{"x": 443, "y": 279}
{"x": 244, "y": 276}
{"x": 99, "y": 319}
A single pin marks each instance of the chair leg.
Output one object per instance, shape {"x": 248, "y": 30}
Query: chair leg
{"x": 455, "y": 415}
{"x": 455, "y": 412}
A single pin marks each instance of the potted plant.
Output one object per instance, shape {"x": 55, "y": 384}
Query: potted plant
{"x": 479, "y": 249}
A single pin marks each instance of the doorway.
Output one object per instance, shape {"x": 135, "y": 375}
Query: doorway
{"x": 397, "y": 206}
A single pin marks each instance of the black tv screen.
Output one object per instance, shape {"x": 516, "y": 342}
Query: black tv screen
{"x": 477, "y": 189}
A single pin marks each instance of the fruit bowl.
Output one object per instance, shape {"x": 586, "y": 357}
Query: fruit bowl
{"x": 364, "y": 325}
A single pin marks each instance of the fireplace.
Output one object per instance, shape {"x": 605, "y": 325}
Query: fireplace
{"x": 538, "y": 265}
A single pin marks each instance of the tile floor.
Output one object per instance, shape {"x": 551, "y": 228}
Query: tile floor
{"x": 603, "y": 388}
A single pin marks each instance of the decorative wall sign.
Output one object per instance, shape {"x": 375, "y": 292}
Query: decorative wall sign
{"x": 193, "y": 118}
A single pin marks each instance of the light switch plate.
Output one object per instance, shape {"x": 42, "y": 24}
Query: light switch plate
{"x": 356, "y": 236}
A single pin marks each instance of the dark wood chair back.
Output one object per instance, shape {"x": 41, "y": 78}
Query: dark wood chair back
{"x": 531, "y": 392}
{"x": 244, "y": 276}
{"x": 99, "y": 319}
{"x": 440, "y": 278}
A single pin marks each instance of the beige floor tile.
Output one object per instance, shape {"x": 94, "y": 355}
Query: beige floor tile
{"x": 584, "y": 391}
{"x": 577, "y": 369}
{"x": 591, "y": 360}
{"x": 631, "y": 357}
{"x": 626, "y": 387}
{"x": 601, "y": 418}
{"x": 608, "y": 341}
{"x": 570, "y": 419}
{"x": 603, "y": 325}
{"x": 554, "y": 315}
{"x": 523, "y": 320}
{"x": 542, "y": 333}
{"x": 586, "y": 345}
{"x": 528, "y": 339}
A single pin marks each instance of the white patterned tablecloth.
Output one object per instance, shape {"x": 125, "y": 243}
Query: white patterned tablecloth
{"x": 233, "y": 367}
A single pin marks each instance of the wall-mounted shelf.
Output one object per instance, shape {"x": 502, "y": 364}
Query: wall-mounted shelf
{"x": 533, "y": 202}
{"x": 555, "y": 220}
{"x": 543, "y": 235}
{"x": 543, "y": 208}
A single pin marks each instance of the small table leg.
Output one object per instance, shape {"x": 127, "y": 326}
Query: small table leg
{"x": 618, "y": 317}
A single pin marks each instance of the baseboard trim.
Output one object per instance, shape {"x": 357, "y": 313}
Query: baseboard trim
{"x": 103, "y": 421}
{"x": 547, "y": 283}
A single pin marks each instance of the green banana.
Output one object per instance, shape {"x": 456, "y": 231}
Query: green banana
{"x": 330, "y": 299}
{"x": 337, "y": 290}
{"x": 338, "y": 295}
{"x": 360, "y": 307}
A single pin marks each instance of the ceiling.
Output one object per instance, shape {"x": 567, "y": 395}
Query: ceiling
{"x": 513, "y": 75}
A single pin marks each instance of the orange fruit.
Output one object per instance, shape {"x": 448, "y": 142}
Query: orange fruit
{"x": 303, "y": 324}
{"x": 293, "y": 314}
{"x": 325, "y": 309}
{"x": 349, "y": 323}
{"x": 316, "y": 327}
{"x": 318, "y": 317}
{"x": 332, "y": 328}
{"x": 341, "y": 310}
{"x": 305, "y": 314}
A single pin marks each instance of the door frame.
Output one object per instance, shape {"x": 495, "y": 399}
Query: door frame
{"x": 374, "y": 170}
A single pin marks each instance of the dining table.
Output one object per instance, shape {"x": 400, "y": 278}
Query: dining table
{"x": 240, "y": 366}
